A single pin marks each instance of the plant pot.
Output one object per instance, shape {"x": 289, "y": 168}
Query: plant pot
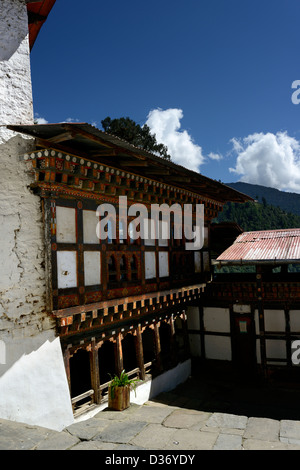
{"x": 119, "y": 398}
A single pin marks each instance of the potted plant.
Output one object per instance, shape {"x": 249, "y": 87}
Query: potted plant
{"x": 119, "y": 391}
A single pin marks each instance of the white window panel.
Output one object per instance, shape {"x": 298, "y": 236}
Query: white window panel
{"x": 149, "y": 231}
{"x": 92, "y": 268}
{"x": 163, "y": 258}
{"x": 163, "y": 232}
{"x": 65, "y": 225}
{"x": 150, "y": 265}
{"x": 216, "y": 319}
{"x": 66, "y": 269}
{"x": 295, "y": 320}
{"x": 90, "y": 221}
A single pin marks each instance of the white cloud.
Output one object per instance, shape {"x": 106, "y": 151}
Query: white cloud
{"x": 165, "y": 124}
{"x": 215, "y": 156}
{"x": 69, "y": 119}
{"x": 40, "y": 120}
{"x": 269, "y": 160}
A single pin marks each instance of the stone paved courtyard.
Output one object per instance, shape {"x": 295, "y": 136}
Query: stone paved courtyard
{"x": 198, "y": 415}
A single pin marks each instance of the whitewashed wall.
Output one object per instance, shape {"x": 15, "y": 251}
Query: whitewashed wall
{"x": 217, "y": 320}
{"x": 31, "y": 376}
{"x": 274, "y": 322}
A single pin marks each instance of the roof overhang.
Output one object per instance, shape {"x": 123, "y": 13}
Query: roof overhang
{"x": 87, "y": 141}
{"x": 254, "y": 262}
{"x": 38, "y": 11}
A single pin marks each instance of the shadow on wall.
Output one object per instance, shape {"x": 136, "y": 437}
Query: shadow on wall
{"x": 15, "y": 35}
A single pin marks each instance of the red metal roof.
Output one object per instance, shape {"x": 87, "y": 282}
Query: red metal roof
{"x": 264, "y": 245}
{"x": 38, "y": 12}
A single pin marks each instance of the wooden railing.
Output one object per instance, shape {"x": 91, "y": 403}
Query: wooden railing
{"x": 103, "y": 387}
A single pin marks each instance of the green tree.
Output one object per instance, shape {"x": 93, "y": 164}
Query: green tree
{"x": 139, "y": 136}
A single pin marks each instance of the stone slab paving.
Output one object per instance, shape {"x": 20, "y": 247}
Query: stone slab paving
{"x": 157, "y": 427}
{"x": 166, "y": 423}
{"x": 263, "y": 429}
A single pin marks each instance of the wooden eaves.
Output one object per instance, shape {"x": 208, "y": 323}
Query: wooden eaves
{"x": 38, "y": 11}
{"x": 88, "y": 142}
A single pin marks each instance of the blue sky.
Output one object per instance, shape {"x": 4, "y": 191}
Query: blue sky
{"x": 213, "y": 78}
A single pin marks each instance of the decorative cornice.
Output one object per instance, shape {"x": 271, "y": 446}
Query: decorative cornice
{"x": 70, "y": 172}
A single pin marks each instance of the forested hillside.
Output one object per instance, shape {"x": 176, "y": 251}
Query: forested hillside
{"x": 289, "y": 202}
{"x": 258, "y": 216}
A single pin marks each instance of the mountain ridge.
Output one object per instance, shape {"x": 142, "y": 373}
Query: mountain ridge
{"x": 287, "y": 201}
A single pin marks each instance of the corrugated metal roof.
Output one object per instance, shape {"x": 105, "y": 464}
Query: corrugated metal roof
{"x": 264, "y": 245}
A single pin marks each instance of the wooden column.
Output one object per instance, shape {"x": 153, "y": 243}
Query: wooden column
{"x": 67, "y": 367}
{"x": 157, "y": 347}
{"x": 185, "y": 334}
{"x": 288, "y": 336}
{"x": 173, "y": 348}
{"x": 139, "y": 352}
{"x": 119, "y": 354}
{"x": 95, "y": 378}
{"x": 261, "y": 320}
{"x": 202, "y": 337}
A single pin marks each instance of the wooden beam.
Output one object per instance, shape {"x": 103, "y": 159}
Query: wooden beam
{"x": 61, "y": 137}
{"x": 44, "y": 143}
{"x": 88, "y": 136}
{"x": 162, "y": 171}
{"x": 35, "y": 18}
{"x": 179, "y": 179}
{"x": 104, "y": 153}
{"x": 133, "y": 163}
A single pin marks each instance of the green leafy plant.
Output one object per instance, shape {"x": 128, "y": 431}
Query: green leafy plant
{"x": 122, "y": 381}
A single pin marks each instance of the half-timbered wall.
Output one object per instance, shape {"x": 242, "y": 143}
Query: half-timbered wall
{"x": 115, "y": 293}
{"x": 249, "y": 322}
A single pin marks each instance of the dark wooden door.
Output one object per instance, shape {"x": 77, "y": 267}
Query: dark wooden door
{"x": 243, "y": 345}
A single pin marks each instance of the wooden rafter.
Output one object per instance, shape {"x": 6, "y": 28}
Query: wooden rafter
{"x": 133, "y": 163}
{"x": 44, "y": 143}
{"x": 61, "y": 137}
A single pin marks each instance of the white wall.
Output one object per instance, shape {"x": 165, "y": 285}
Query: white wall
{"x": 34, "y": 390}
{"x": 31, "y": 373}
{"x": 15, "y": 79}
{"x": 216, "y": 319}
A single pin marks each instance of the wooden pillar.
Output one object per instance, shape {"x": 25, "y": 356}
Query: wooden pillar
{"x": 139, "y": 352}
{"x": 157, "y": 347}
{"x": 119, "y": 354}
{"x": 95, "y": 378}
{"x": 261, "y": 320}
{"x": 67, "y": 367}
{"x": 202, "y": 337}
{"x": 173, "y": 348}
{"x": 288, "y": 336}
{"x": 185, "y": 334}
